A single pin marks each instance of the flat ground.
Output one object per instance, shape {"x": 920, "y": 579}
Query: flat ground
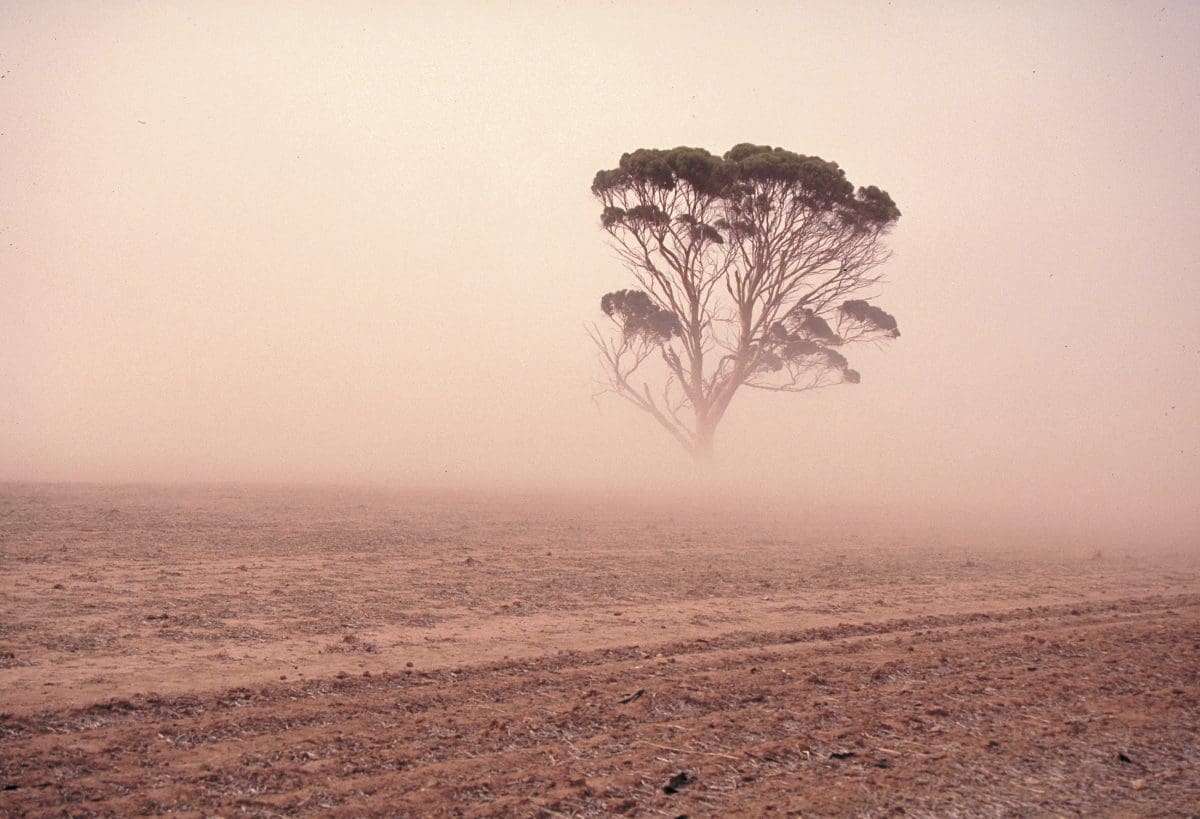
{"x": 266, "y": 652}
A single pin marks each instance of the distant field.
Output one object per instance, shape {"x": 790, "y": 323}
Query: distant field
{"x": 290, "y": 651}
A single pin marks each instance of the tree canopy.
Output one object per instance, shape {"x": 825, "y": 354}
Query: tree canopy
{"x": 753, "y": 271}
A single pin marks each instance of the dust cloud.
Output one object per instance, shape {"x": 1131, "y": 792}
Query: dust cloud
{"x": 345, "y": 244}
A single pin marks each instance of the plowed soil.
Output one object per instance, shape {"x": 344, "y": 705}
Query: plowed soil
{"x": 226, "y": 651}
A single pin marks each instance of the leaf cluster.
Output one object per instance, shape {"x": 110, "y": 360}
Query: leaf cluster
{"x": 871, "y": 317}
{"x": 639, "y": 316}
{"x": 804, "y": 340}
{"x": 739, "y": 177}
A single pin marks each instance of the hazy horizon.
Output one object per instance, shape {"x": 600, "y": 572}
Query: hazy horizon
{"x": 294, "y": 243}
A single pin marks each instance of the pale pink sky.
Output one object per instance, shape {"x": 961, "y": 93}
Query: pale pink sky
{"x": 355, "y": 242}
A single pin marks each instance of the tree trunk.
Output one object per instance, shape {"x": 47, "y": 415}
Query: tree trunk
{"x": 702, "y": 448}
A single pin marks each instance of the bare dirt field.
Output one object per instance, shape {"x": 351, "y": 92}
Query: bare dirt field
{"x": 267, "y": 652}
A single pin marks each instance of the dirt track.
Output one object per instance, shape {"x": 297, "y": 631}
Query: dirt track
{"x": 824, "y": 677}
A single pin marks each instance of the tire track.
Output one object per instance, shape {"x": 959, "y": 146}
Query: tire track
{"x": 752, "y": 718}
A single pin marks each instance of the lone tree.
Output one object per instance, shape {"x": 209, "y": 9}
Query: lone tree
{"x": 752, "y": 267}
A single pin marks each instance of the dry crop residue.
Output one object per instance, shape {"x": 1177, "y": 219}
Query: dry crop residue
{"x": 861, "y": 680}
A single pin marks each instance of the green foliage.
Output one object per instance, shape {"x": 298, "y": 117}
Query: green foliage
{"x": 872, "y": 316}
{"x": 810, "y": 325}
{"x": 748, "y": 178}
{"x": 699, "y": 230}
{"x": 611, "y": 216}
{"x": 803, "y": 339}
{"x": 607, "y": 180}
{"x": 799, "y": 352}
{"x": 877, "y": 205}
{"x": 639, "y": 316}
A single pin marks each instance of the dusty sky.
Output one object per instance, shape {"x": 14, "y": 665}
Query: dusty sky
{"x": 355, "y": 242}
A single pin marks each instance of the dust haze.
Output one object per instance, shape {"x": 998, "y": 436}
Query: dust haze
{"x": 309, "y": 505}
{"x": 298, "y": 243}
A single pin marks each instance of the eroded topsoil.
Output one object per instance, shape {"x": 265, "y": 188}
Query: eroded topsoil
{"x": 279, "y": 652}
